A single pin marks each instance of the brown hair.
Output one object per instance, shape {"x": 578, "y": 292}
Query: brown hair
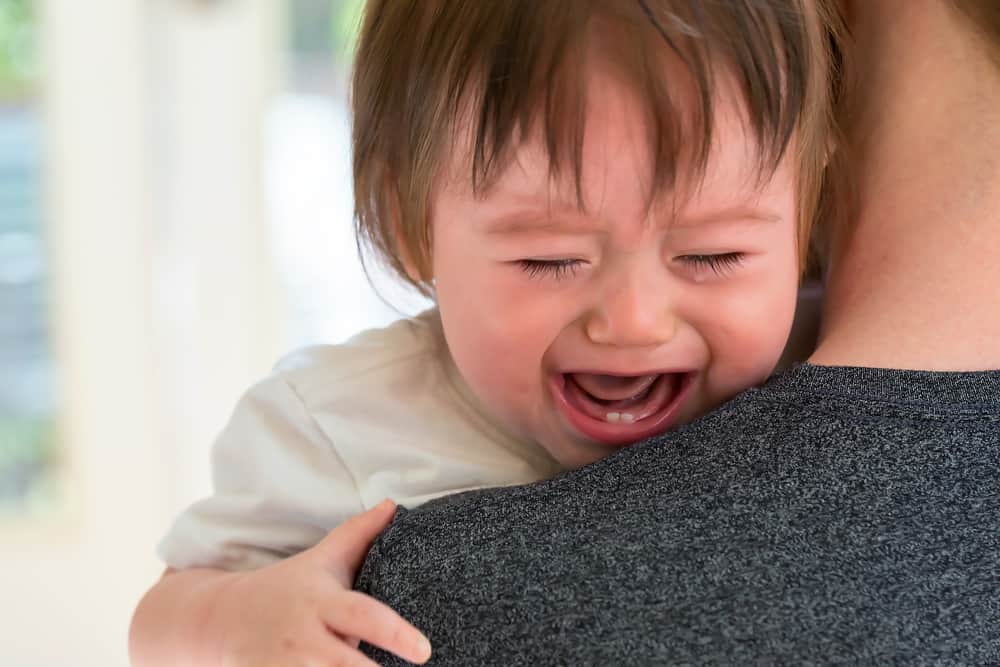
{"x": 509, "y": 67}
{"x": 984, "y": 15}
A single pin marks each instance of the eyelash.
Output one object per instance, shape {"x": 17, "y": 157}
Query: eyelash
{"x": 556, "y": 268}
{"x": 720, "y": 264}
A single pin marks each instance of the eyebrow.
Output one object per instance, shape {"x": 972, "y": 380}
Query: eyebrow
{"x": 535, "y": 213}
{"x": 513, "y": 224}
{"x": 532, "y": 219}
{"x": 731, "y": 214}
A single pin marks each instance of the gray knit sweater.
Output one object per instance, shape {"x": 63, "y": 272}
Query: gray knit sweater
{"x": 833, "y": 515}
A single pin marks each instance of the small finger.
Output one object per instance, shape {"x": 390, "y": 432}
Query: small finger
{"x": 352, "y": 614}
{"x": 346, "y": 546}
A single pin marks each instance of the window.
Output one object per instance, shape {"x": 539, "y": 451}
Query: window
{"x": 28, "y": 446}
{"x": 308, "y": 173}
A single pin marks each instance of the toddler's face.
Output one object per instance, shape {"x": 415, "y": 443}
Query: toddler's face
{"x": 586, "y": 330}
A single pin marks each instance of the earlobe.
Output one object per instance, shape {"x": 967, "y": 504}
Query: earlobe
{"x": 410, "y": 265}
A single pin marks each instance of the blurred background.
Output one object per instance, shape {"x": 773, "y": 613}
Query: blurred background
{"x": 175, "y": 214}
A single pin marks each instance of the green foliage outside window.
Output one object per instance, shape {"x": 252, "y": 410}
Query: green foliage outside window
{"x": 346, "y": 19}
{"x": 17, "y": 48}
{"x": 28, "y": 451}
{"x": 322, "y": 29}
{"x": 28, "y": 442}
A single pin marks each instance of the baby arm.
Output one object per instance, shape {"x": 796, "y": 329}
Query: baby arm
{"x": 261, "y": 571}
{"x": 298, "y": 611}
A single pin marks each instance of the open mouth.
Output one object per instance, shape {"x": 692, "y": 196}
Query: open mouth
{"x": 617, "y": 410}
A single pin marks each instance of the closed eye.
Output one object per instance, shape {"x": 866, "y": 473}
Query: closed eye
{"x": 555, "y": 268}
{"x": 721, "y": 264}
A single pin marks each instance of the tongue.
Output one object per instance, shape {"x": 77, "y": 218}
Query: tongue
{"x": 597, "y": 396}
{"x": 613, "y": 387}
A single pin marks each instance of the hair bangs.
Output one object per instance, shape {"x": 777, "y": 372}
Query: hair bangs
{"x": 531, "y": 81}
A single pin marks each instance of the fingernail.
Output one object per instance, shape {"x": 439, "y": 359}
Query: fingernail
{"x": 423, "y": 649}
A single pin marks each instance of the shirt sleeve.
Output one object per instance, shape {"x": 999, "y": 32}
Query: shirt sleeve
{"x": 278, "y": 487}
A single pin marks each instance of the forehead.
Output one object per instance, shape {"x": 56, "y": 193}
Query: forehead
{"x": 616, "y": 154}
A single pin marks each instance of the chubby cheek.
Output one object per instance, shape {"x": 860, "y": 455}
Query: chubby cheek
{"x": 497, "y": 332}
{"x": 750, "y": 333}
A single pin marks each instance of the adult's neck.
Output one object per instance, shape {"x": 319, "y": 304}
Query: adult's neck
{"x": 915, "y": 284}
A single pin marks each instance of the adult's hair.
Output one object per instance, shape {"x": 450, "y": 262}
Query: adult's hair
{"x": 984, "y": 15}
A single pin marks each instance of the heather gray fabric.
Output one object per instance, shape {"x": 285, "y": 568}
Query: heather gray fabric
{"x": 834, "y": 515}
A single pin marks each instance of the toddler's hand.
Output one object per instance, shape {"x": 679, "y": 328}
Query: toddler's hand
{"x": 302, "y": 611}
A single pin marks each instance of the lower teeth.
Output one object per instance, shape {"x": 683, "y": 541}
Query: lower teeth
{"x": 616, "y": 417}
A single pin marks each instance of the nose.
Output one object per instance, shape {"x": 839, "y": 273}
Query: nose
{"x": 636, "y": 314}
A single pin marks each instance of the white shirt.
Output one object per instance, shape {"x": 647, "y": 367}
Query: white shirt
{"x": 335, "y": 430}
